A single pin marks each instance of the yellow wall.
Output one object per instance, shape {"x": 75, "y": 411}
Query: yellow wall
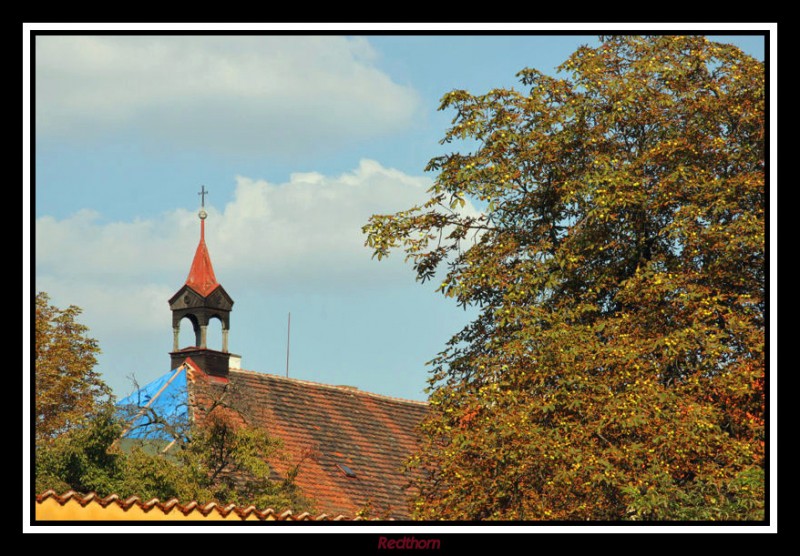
{"x": 71, "y": 510}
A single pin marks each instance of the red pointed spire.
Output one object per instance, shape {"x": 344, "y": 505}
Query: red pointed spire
{"x": 201, "y": 276}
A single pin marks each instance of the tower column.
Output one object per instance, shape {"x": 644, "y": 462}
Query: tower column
{"x": 175, "y": 335}
{"x": 203, "y": 335}
{"x": 225, "y": 340}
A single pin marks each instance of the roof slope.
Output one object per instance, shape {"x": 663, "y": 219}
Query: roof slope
{"x": 324, "y": 427}
{"x": 201, "y": 274}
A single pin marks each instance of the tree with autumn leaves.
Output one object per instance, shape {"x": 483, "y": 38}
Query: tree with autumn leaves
{"x": 68, "y": 389}
{"x": 616, "y": 369}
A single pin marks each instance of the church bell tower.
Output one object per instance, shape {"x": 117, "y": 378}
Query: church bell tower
{"x": 201, "y": 300}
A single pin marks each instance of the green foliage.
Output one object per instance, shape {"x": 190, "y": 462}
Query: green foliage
{"x": 228, "y": 462}
{"x": 80, "y": 459}
{"x": 616, "y": 370}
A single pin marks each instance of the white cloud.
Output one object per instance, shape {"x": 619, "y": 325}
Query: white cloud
{"x": 312, "y": 220}
{"x": 299, "y": 235}
{"x": 252, "y": 93}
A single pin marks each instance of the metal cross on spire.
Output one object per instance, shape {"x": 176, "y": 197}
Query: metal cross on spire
{"x": 202, "y": 212}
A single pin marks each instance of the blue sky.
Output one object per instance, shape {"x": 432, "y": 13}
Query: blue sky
{"x": 298, "y": 139}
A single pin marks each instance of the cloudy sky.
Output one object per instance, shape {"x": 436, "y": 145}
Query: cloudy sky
{"x": 299, "y": 139}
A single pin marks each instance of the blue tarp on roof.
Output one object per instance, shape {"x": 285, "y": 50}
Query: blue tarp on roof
{"x": 166, "y": 397}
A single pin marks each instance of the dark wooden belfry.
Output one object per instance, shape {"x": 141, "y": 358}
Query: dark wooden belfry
{"x": 200, "y": 300}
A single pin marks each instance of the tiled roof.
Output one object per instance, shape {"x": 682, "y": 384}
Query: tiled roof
{"x": 174, "y": 509}
{"x": 351, "y": 444}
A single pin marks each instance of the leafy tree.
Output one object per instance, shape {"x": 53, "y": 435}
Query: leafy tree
{"x": 616, "y": 368}
{"x": 228, "y": 460}
{"x": 80, "y": 459}
{"x": 68, "y": 389}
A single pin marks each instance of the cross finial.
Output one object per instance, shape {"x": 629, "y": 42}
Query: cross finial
{"x": 203, "y": 194}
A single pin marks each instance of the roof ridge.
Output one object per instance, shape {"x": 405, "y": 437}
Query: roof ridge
{"x": 349, "y": 389}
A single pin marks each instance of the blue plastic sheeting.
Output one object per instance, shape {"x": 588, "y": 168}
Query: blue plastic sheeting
{"x": 166, "y": 397}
